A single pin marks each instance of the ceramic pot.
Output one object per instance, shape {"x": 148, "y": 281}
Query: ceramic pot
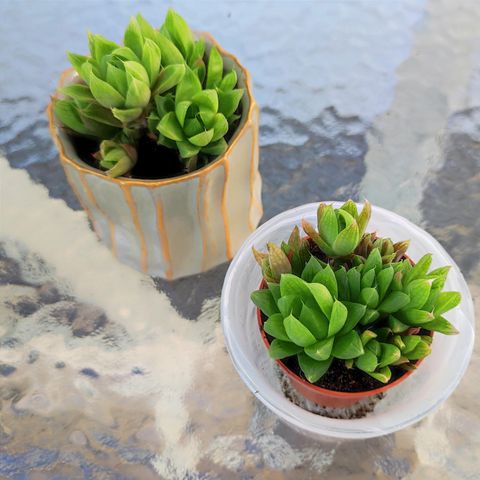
{"x": 176, "y": 226}
{"x": 323, "y": 396}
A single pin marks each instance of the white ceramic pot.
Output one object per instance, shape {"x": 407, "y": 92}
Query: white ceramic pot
{"x": 406, "y": 403}
{"x": 178, "y": 226}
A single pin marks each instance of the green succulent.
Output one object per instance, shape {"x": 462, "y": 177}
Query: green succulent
{"x": 195, "y": 119}
{"x": 190, "y": 50}
{"x": 339, "y": 229}
{"x": 156, "y": 79}
{"x": 390, "y": 252}
{"x": 292, "y": 256}
{"x": 368, "y": 312}
{"x": 116, "y": 158}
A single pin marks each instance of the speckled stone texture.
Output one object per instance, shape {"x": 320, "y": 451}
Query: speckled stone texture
{"x": 359, "y": 99}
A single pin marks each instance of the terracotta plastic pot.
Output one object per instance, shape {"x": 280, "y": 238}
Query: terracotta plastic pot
{"x": 323, "y": 396}
{"x": 178, "y": 226}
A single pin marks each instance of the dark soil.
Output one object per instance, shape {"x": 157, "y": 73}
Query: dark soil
{"x": 342, "y": 379}
{"x": 85, "y": 148}
{"x": 338, "y": 377}
{"x": 315, "y": 251}
{"x": 154, "y": 161}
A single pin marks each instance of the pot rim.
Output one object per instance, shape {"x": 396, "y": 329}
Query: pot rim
{"x": 154, "y": 183}
{"x": 326, "y": 391}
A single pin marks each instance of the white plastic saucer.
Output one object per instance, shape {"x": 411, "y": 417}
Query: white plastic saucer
{"x": 405, "y": 404}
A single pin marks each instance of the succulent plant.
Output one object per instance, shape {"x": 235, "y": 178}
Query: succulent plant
{"x": 390, "y": 252}
{"x": 156, "y": 83}
{"x": 339, "y": 229}
{"x": 116, "y": 158}
{"x": 292, "y": 256}
{"x": 372, "y": 314}
{"x": 195, "y": 120}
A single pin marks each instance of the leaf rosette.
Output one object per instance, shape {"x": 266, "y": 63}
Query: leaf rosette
{"x": 372, "y": 313}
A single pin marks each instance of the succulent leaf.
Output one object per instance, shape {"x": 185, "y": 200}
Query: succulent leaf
{"x": 179, "y": 32}
{"x": 346, "y": 240}
{"x": 338, "y": 317}
{"x": 170, "y": 127}
{"x": 78, "y": 92}
{"x": 147, "y": 31}
{"x": 297, "y": 332}
{"x": 374, "y": 260}
{"x": 415, "y": 317}
{"x": 264, "y": 300}
{"x": 420, "y": 351}
{"x": 322, "y": 296}
{"x": 274, "y": 327}
{"x": 355, "y": 313}
{"x": 202, "y": 139}
{"x": 354, "y": 283}
{"x": 229, "y": 81}
{"x": 418, "y": 291}
{"x": 104, "y": 93}
{"x": 368, "y": 278}
{"x": 384, "y": 279}
{"x": 280, "y": 349}
{"x": 366, "y": 336}
{"x": 320, "y": 350}
{"x": 364, "y": 217}
{"x": 96, "y": 112}
{"x": 382, "y": 375}
{"x": 275, "y": 290}
{"x": 419, "y": 270}
{"x": 367, "y": 362}
{"x": 289, "y": 304}
{"x": 214, "y": 69}
{"x": 446, "y": 301}
{"x": 441, "y": 325}
{"x": 351, "y": 207}
{"x": 315, "y": 321}
{"x": 313, "y": 369}
{"x": 393, "y": 302}
{"x": 342, "y": 283}
{"x": 390, "y": 354}
{"x": 215, "y": 148}
{"x": 369, "y": 297}
{"x": 292, "y": 285}
{"x": 327, "y": 223}
{"x": 229, "y": 101}
{"x": 68, "y": 115}
{"x": 396, "y": 325}
{"x": 348, "y": 346}
{"x": 133, "y": 38}
{"x": 326, "y": 277}
{"x": 410, "y": 342}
